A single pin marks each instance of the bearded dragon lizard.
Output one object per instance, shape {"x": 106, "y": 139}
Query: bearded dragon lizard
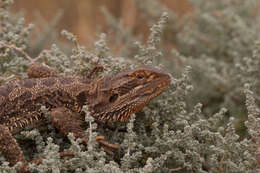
{"x": 110, "y": 98}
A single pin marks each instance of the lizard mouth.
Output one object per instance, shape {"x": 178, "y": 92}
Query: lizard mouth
{"x": 153, "y": 89}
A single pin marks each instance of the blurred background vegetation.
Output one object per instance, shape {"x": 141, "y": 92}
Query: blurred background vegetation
{"x": 85, "y": 17}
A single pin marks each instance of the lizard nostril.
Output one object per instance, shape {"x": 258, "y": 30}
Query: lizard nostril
{"x": 113, "y": 98}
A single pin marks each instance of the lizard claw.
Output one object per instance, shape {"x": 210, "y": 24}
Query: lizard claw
{"x": 106, "y": 145}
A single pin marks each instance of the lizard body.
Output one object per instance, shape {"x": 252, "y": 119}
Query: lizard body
{"x": 19, "y": 99}
{"x": 111, "y": 98}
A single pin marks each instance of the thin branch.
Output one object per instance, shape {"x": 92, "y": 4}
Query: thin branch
{"x": 17, "y": 49}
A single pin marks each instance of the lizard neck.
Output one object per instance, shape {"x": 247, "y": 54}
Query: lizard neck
{"x": 86, "y": 95}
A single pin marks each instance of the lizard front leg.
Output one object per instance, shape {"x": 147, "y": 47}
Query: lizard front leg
{"x": 10, "y": 148}
{"x": 69, "y": 122}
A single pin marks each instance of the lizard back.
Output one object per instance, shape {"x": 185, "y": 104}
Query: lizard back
{"x": 21, "y": 101}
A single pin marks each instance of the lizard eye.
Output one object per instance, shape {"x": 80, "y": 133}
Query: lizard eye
{"x": 139, "y": 76}
{"x": 113, "y": 98}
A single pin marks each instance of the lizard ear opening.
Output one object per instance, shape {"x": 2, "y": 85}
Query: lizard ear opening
{"x": 113, "y": 98}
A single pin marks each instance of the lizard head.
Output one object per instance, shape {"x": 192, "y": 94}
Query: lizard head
{"x": 128, "y": 92}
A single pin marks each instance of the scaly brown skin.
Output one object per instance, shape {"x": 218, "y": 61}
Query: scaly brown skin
{"x": 112, "y": 98}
